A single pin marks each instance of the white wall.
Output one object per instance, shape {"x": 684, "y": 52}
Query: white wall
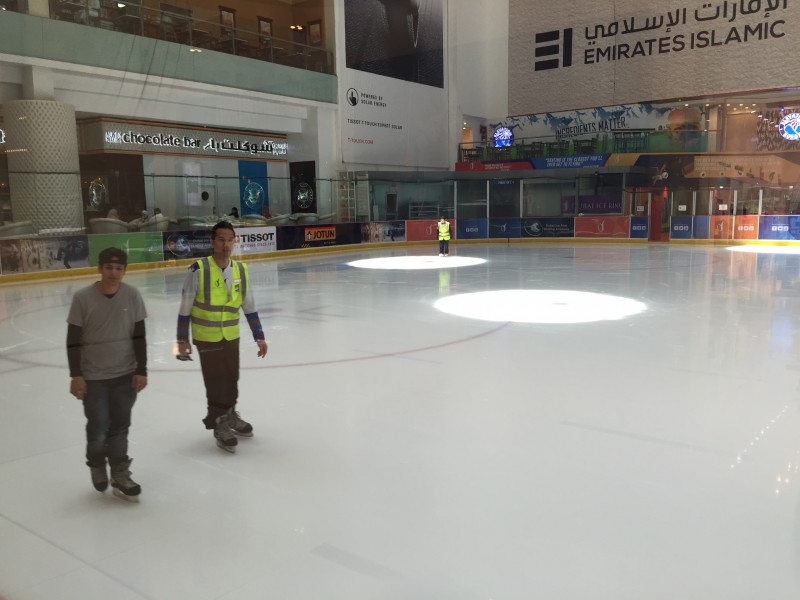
{"x": 479, "y": 43}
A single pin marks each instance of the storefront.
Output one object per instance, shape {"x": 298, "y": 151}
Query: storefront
{"x": 131, "y": 166}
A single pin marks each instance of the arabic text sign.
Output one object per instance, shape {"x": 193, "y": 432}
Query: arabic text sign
{"x": 683, "y": 48}
{"x": 112, "y": 135}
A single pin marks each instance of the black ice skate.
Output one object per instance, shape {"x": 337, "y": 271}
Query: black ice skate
{"x": 238, "y": 425}
{"x": 224, "y": 435}
{"x": 99, "y": 477}
{"x": 124, "y": 487}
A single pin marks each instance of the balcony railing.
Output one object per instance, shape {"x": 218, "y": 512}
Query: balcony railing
{"x": 185, "y": 26}
{"x": 621, "y": 141}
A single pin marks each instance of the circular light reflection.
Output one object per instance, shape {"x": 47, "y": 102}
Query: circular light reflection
{"x": 540, "y": 306}
{"x": 417, "y": 262}
{"x": 766, "y": 249}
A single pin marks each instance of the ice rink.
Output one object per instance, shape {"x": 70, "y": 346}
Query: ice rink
{"x": 639, "y": 439}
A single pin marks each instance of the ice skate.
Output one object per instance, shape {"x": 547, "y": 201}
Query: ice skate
{"x": 99, "y": 477}
{"x": 238, "y": 425}
{"x": 124, "y": 487}
{"x": 224, "y": 435}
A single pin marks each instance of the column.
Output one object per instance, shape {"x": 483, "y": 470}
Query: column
{"x": 44, "y": 173}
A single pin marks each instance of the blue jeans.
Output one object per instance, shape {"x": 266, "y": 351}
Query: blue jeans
{"x": 107, "y": 406}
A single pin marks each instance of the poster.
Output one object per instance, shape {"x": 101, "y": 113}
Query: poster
{"x": 391, "y": 85}
{"x": 35, "y": 254}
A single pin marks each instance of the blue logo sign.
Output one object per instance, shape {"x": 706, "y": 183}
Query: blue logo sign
{"x": 790, "y": 126}
{"x": 253, "y": 195}
{"x": 503, "y": 137}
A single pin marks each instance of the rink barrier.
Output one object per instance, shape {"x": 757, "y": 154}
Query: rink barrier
{"x": 30, "y": 258}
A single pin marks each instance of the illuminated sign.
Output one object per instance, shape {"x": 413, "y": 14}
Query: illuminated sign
{"x": 790, "y": 126}
{"x": 2, "y": 137}
{"x": 213, "y": 144}
{"x": 502, "y": 137}
{"x": 118, "y": 136}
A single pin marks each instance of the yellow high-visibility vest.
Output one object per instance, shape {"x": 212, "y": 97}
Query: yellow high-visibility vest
{"x": 444, "y": 230}
{"x": 215, "y": 312}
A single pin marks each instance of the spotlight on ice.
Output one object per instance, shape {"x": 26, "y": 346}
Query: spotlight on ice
{"x": 540, "y": 306}
{"x": 417, "y": 262}
{"x": 766, "y": 249}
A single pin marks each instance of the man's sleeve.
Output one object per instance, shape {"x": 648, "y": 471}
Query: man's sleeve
{"x": 74, "y": 344}
{"x": 249, "y": 310}
{"x": 188, "y": 294}
{"x": 140, "y": 347}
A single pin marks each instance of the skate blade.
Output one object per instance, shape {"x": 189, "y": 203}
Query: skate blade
{"x": 120, "y": 494}
{"x": 231, "y": 449}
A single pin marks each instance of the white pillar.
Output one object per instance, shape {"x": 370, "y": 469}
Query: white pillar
{"x": 43, "y": 168}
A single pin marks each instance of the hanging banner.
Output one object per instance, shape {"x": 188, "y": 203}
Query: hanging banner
{"x": 391, "y": 92}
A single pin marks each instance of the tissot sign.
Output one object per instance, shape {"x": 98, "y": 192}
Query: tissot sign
{"x": 592, "y": 53}
{"x": 112, "y": 135}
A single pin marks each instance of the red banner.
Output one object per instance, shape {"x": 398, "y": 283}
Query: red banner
{"x": 592, "y": 227}
{"x": 721, "y": 227}
{"x": 420, "y": 231}
{"x": 746, "y": 227}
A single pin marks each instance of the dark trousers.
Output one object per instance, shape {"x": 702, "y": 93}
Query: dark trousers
{"x": 107, "y": 406}
{"x": 444, "y": 246}
{"x": 219, "y": 362}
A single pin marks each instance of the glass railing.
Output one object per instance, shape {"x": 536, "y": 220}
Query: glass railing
{"x": 614, "y": 141}
{"x": 118, "y": 201}
{"x": 196, "y": 28}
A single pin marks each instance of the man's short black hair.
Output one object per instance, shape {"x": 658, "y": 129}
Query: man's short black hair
{"x": 221, "y": 225}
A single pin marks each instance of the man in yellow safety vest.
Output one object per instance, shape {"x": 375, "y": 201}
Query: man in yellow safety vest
{"x": 443, "y": 229}
{"x": 214, "y": 291}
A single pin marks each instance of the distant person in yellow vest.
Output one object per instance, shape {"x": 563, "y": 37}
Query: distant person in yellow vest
{"x": 443, "y": 229}
{"x": 214, "y": 291}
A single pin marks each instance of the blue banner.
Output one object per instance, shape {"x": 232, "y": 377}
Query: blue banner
{"x": 781, "y": 227}
{"x": 680, "y": 228}
{"x": 548, "y": 227}
{"x": 639, "y": 227}
{"x": 471, "y": 229}
{"x": 253, "y": 188}
{"x": 701, "y": 228}
{"x": 504, "y": 228}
